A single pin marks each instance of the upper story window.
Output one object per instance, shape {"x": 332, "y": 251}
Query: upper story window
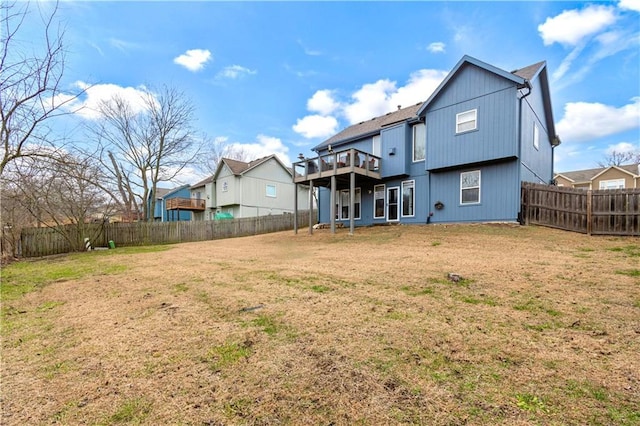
{"x": 612, "y": 184}
{"x": 225, "y": 186}
{"x": 377, "y": 146}
{"x": 419, "y": 142}
{"x": 536, "y": 136}
{"x": 271, "y": 190}
{"x": 470, "y": 187}
{"x": 466, "y": 121}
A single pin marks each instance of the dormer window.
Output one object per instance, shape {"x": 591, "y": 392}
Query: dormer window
{"x": 467, "y": 121}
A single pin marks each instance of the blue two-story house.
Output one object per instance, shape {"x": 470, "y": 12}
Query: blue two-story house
{"x": 460, "y": 156}
{"x": 172, "y": 205}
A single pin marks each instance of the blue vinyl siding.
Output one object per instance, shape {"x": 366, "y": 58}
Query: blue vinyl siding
{"x": 162, "y": 214}
{"x": 536, "y": 164}
{"x": 394, "y": 150}
{"x": 494, "y": 138}
{"x": 470, "y": 82}
{"x": 500, "y": 147}
{"x": 499, "y": 195}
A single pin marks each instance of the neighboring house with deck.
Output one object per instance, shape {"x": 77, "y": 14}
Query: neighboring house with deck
{"x": 171, "y": 204}
{"x": 248, "y": 189}
{"x": 611, "y": 177}
{"x": 201, "y": 196}
{"x": 460, "y": 156}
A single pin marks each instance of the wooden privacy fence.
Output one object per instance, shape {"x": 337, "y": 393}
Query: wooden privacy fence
{"x": 593, "y": 212}
{"x": 68, "y": 238}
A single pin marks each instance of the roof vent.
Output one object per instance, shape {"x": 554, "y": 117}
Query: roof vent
{"x": 399, "y": 106}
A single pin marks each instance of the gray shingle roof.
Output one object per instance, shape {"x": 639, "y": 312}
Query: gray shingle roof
{"x": 529, "y": 72}
{"x": 371, "y": 126}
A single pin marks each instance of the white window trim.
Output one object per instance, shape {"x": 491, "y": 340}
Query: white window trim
{"x": 608, "y": 183}
{"x": 384, "y": 195}
{"x": 413, "y": 153}
{"x": 536, "y": 136}
{"x": 475, "y": 121}
{"x": 471, "y": 187}
{"x": 413, "y": 201}
{"x": 275, "y": 189}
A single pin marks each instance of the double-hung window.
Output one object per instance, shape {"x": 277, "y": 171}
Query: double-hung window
{"x": 408, "y": 198}
{"x": 419, "y": 142}
{"x": 470, "y": 187}
{"x": 467, "y": 121}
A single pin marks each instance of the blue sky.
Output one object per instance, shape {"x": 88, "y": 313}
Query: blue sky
{"x": 280, "y": 77}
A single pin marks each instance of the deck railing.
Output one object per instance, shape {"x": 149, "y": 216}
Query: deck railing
{"x": 335, "y": 163}
{"x": 185, "y": 204}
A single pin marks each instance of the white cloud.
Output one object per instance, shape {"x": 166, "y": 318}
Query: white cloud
{"x": 630, "y": 5}
{"x": 123, "y": 45}
{"x": 373, "y": 100}
{"x": 623, "y": 148}
{"x": 264, "y": 146}
{"x": 573, "y": 26}
{"x": 566, "y": 62}
{"x": 316, "y": 126}
{"x": 585, "y": 121}
{"x": 436, "y": 47}
{"x": 235, "y": 71}
{"x": 88, "y": 103}
{"x": 194, "y": 59}
{"x": 323, "y": 102}
{"x": 420, "y": 86}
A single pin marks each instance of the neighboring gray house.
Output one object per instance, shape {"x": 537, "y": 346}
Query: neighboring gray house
{"x": 460, "y": 156}
{"x": 249, "y": 189}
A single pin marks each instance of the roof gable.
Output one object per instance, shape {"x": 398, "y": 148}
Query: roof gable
{"x": 238, "y": 168}
{"x": 465, "y": 61}
{"x": 166, "y": 192}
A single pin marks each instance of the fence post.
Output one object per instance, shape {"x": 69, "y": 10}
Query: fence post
{"x": 589, "y": 211}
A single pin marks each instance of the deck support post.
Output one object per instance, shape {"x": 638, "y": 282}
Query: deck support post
{"x": 332, "y": 202}
{"x": 311, "y": 207}
{"x": 295, "y": 209}
{"x": 352, "y": 195}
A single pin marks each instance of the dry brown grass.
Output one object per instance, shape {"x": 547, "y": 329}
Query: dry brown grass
{"x": 336, "y": 329}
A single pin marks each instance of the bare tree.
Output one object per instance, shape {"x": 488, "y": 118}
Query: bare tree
{"x": 30, "y": 83}
{"x": 618, "y": 158}
{"x": 217, "y": 149}
{"x": 143, "y": 148}
{"x": 62, "y": 189}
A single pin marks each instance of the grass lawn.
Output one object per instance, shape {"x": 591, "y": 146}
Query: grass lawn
{"x": 543, "y": 327}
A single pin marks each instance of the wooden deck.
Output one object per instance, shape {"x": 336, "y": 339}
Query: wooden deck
{"x": 337, "y": 164}
{"x": 191, "y": 204}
